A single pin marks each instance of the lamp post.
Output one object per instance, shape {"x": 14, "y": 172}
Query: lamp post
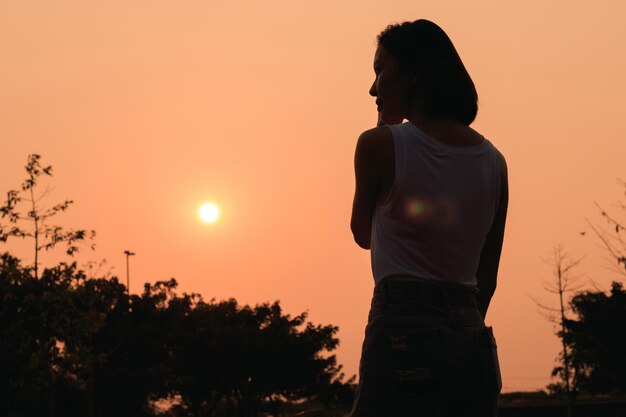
{"x": 128, "y": 255}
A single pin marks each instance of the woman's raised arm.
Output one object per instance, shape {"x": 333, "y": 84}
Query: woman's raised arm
{"x": 368, "y": 170}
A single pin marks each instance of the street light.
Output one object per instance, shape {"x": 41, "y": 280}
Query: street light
{"x": 128, "y": 255}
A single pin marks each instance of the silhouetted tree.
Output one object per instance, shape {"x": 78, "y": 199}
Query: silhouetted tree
{"x": 281, "y": 360}
{"x": 613, "y": 239}
{"x": 563, "y": 282}
{"x": 37, "y": 320}
{"x": 251, "y": 356}
{"x": 598, "y": 341}
{"x": 45, "y": 236}
{"x": 595, "y": 339}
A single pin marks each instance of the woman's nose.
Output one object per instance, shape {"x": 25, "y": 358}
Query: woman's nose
{"x": 373, "y": 89}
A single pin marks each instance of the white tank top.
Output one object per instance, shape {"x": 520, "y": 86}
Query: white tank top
{"x": 435, "y": 219}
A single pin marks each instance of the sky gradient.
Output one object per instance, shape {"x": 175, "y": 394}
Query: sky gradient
{"x": 147, "y": 109}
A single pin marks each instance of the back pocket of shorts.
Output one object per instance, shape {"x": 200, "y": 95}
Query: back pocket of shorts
{"x": 415, "y": 359}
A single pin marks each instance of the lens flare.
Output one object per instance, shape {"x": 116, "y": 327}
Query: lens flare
{"x": 415, "y": 208}
{"x": 438, "y": 212}
{"x": 418, "y": 209}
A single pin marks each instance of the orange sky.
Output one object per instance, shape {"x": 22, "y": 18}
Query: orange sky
{"x": 146, "y": 109}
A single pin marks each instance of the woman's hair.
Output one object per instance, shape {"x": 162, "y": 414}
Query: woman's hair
{"x": 444, "y": 87}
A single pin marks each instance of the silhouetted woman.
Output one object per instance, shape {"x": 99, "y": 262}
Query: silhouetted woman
{"x": 430, "y": 202}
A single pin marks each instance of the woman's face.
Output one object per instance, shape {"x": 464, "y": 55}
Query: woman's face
{"x": 391, "y": 87}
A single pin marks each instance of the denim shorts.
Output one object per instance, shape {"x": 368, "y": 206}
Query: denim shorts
{"x": 427, "y": 352}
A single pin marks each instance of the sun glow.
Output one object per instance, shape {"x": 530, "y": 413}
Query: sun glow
{"x": 208, "y": 213}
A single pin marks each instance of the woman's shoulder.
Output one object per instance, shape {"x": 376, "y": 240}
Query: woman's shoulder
{"x": 375, "y": 158}
{"x": 375, "y": 148}
{"x": 376, "y": 136}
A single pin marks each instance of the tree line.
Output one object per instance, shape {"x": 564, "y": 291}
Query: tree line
{"x": 77, "y": 346}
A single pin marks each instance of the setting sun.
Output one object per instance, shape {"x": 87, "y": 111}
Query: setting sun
{"x": 208, "y": 213}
